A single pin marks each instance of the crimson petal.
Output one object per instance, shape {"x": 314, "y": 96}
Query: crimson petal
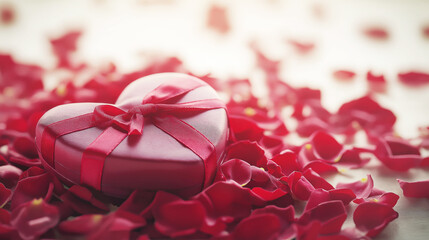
{"x": 417, "y": 189}
{"x": 372, "y": 218}
{"x": 414, "y": 78}
{"x": 34, "y": 218}
{"x": 248, "y": 151}
{"x": 331, "y": 215}
{"x": 362, "y": 188}
{"x": 179, "y": 218}
{"x": 258, "y": 226}
{"x": 397, "y": 154}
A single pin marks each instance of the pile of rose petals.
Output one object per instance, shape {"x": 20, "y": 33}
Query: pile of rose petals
{"x": 259, "y": 186}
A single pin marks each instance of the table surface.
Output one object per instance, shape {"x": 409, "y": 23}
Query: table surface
{"x": 126, "y": 32}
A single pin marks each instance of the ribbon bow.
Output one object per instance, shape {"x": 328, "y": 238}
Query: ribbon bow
{"x": 158, "y": 106}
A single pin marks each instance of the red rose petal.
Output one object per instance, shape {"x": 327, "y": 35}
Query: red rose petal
{"x": 308, "y": 231}
{"x": 237, "y": 170}
{"x": 228, "y": 199}
{"x": 300, "y": 187}
{"x": 372, "y": 218}
{"x": 81, "y": 200}
{"x": 417, "y": 189}
{"x": 425, "y": 31}
{"x": 4, "y": 195}
{"x": 40, "y": 185}
{"x": 245, "y": 129}
{"x": 117, "y": 225}
{"x": 286, "y": 216}
{"x": 389, "y": 198}
{"x": 137, "y": 201}
{"x": 316, "y": 180}
{"x": 331, "y": 215}
{"x": 34, "y": 218}
{"x": 351, "y": 158}
{"x": 258, "y": 226}
{"x": 179, "y": 218}
{"x": 248, "y": 151}
{"x": 310, "y": 125}
{"x": 414, "y": 78}
{"x": 7, "y": 14}
{"x": 217, "y": 19}
{"x": 82, "y": 224}
{"x": 325, "y": 146}
{"x": 377, "y": 83}
{"x": 344, "y": 75}
{"x": 361, "y": 188}
{"x": 64, "y": 46}
{"x": 365, "y": 111}
{"x": 301, "y": 47}
{"x": 397, "y": 154}
{"x": 320, "y": 167}
{"x": 376, "y": 32}
{"x": 287, "y": 160}
{"x": 9, "y": 175}
{"x": 268, "y": 195}
{"x": 6, "y": 230}
{"x": 319, "y": 196}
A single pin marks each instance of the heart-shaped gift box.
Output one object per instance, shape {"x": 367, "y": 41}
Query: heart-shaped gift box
{"x": 165, "y": 132}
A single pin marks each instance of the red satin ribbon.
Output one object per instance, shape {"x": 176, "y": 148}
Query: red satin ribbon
{"x": 158, "y": 106}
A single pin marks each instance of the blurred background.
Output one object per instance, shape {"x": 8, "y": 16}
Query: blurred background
{"x": 326, "y": 44}
{"x": 311, "y": 39}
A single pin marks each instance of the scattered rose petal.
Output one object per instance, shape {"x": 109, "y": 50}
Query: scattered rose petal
{"x": 248, "y": 151}
{"x": 83, "y": 201}
{"x": 417, "y": 189}
{"x": 64, "y": 46}
{"x": 258, "y": 226}
{"x": 81, "y": 225}
{"x": 34, "y": 218}
{"x": 425, "y": 31}
{"x": 34, "y": 183}
{"x": 137, "y": 201}
{"x": 397, "y": 154}
{"x": 377, "y": 83}
{"x": 287, "y": 160}
{"x": 344, "y": 75}
{"x": 7, "y": 14}
{"x": 362, "y": 188}
{"x": 331, "y": 215}
{"x": 179, "y": 218}
{"x": 414, "y": 78}
{"x": 4, "y": 195}
{"x": 301, "y": 47}
{"x": 351, "y": 158}
{"x": 376, "y": 32}
{"x": 237, "y": 170}
{"x": 372, "y": 218}
{"x": 319, "y": 196}
{"x": 218, "y": 19}
{"x": 389, "y": 198}
{"x": 9, "y": 175}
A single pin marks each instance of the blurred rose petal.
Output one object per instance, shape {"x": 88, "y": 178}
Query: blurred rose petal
{"x": 414, "y": 78}
{"x": 418, "y": 189}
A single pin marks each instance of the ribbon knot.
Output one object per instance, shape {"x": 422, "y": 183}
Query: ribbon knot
{"x": 130, "y": 122}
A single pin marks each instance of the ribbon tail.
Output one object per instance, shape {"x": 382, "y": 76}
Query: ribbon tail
{"x": 192, "y": 139}
{"x": 94, "y": 156}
